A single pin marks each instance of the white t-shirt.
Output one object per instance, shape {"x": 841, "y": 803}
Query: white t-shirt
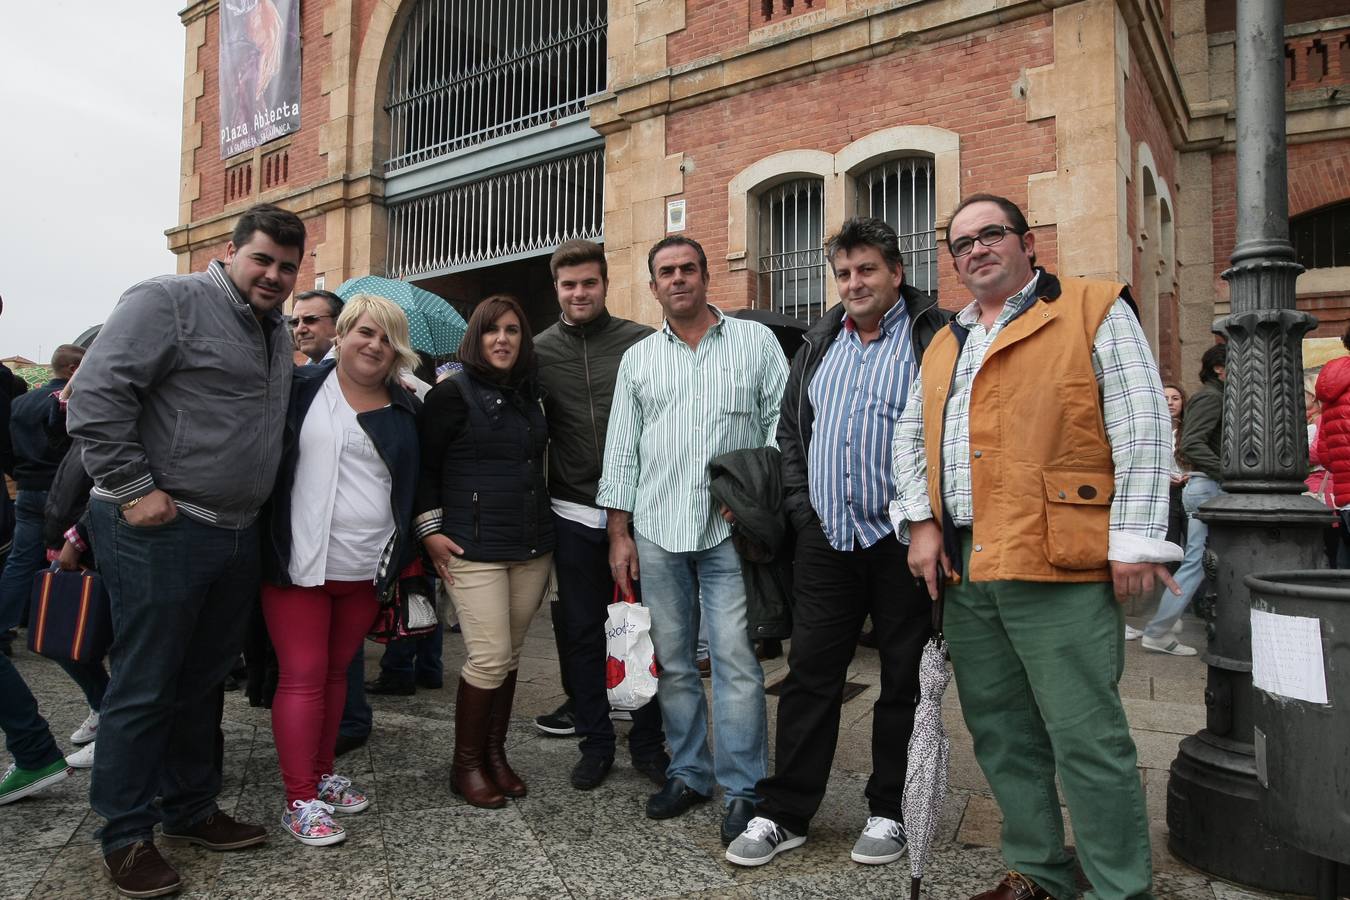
{"x": 341, "y": 515}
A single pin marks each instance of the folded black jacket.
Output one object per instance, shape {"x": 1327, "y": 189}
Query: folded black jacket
{"x": 750, "y": 484}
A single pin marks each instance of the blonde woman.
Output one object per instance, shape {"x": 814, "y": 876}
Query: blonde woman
{"x": 339, "y": 534}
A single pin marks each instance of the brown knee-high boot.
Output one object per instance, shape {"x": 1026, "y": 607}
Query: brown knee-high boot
{"x": 468, "y": 777}
{"x": 495, "y": 756}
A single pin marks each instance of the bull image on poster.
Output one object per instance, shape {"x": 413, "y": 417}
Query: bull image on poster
{"x": 259, "y": 72}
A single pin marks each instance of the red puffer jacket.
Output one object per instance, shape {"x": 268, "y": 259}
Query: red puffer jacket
{"x": 1332, "y": 448}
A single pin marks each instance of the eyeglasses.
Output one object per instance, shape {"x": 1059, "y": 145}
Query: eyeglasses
{"x": 989, "y": 235}
{"x": 297, "y": 321}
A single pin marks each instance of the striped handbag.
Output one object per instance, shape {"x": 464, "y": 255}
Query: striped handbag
{"x": 69, "y": 615}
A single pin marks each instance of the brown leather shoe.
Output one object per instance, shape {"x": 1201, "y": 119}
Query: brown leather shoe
{"x": 139, "y": 871}
{"x": 494, "y": 751}
{"x": 219, "y": 831}
{"x": 1015, "y": 886}
{"x": 468, "y": 777}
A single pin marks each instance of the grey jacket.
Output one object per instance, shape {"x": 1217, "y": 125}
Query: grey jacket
{"x": 185, "y": 390}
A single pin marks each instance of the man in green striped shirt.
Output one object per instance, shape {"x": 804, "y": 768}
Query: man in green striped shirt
{"x": 703, "y": 385}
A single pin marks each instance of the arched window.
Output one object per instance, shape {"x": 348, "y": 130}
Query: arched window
{"x": 792, "y": 261}
{"x": 468, "y": 71}
{"x": 1322, "y": 237}
{"x": 903, "y": 194}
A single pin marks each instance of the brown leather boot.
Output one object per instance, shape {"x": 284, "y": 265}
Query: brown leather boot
{"x": 468, "y": 777}
{"x": 495, "y": 752}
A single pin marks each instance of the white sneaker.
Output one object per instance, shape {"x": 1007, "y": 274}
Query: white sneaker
{"x": 311, "y": 823}
{"x": 1132, "y": 633}
{"x": 882, "y": 841}
{"x": 87, "y": 731}
{"x": 1169, "y": 645}
{"x": 762, "y": 840}
{"x": 82, "y": 758}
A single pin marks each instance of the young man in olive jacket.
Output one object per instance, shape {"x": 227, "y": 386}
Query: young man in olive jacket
{"x": 578, "y": 364}
{"x": 844, "y": 394}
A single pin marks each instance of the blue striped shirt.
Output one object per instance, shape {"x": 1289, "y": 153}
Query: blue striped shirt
{"x": 857, "y": 395}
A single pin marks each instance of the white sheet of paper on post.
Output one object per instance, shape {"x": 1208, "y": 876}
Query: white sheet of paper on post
{"x": 1287, "y": 656}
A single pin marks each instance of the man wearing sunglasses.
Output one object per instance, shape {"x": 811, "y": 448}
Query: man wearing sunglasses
{"x": 1032, "y": 465}
{"x": 314, "y": 323}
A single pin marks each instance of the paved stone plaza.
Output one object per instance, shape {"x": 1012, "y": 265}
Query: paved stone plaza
{"x": 419, "y": 841}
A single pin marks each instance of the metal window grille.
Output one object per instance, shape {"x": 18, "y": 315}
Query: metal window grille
{"x": 468, "y": 71}
{"x": 792, "y": 261}
{"x": 901, "y": 192}
{"x": 514, "y": 214}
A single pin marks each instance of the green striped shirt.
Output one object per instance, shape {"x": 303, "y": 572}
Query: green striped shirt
{"x": 675, "y": 408}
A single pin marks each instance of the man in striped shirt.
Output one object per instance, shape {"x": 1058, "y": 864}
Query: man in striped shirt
{"x": 846, "y": 390}
{"x": 704, "y": 385}
{"x": 1032, "y": 460}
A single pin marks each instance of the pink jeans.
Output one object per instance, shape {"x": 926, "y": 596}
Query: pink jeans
{"x": 316, "y": 631}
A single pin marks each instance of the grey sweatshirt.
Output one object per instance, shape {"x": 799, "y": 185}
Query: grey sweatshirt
{"x": 185, "y": 391}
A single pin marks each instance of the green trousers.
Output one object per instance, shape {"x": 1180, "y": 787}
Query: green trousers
{"x": 1038, "y": 666}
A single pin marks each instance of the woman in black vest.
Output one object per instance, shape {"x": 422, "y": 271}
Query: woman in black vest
{"x": 484, "y": 518}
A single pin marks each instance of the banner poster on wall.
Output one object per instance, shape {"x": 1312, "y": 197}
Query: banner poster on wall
{"x": 259, "y": 72}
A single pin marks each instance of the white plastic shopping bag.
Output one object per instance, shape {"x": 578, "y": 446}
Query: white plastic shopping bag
{"x": 630, "y": 670}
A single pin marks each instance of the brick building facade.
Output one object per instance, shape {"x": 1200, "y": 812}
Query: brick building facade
{"x": 454, "y": 143}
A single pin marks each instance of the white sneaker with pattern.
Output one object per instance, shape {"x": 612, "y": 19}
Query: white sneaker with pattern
{"x": 339, "y": 793}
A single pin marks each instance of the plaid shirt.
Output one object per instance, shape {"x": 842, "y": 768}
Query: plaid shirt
{"x": 1133, "y": 411}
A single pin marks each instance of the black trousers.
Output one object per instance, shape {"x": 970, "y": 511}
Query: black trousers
{"x": 833, "y": 592}
{"x": 585, "y": 590}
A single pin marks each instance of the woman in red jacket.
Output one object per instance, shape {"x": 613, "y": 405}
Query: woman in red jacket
{"x": 1332, "y": 449}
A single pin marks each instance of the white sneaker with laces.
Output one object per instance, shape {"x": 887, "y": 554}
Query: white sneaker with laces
{"x": 1132, "y": 633}
{"x": 87, "y": 731}
{"x": 344, "y": 797}
{"x": 82, "y": 758}
{"x": 310, "y": 822}
{"x": 882, "y": 841}
{"x": 762, "y": 840}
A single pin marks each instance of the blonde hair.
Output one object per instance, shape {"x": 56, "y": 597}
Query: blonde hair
{"x": 389, "y": 316}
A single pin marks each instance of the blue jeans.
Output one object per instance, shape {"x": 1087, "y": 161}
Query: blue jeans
{"x": 357, "y": 716}
{"x": 26, "y": 558}
{"x": 27, "y": 737}
{"x": 415, "y": 657}
{"x": 91, "y": 677}
{"x": 1198, "y": 490}
{"x": 180, "y": 594}
{"x": 672, "y": 586}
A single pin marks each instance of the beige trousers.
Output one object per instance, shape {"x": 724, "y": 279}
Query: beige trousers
{"x": 495, "y": 602}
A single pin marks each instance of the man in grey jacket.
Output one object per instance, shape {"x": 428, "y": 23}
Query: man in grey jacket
{"x": 180, "y": 411}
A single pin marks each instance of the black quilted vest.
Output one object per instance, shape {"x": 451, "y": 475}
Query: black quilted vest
{"x": 494, "y": 495}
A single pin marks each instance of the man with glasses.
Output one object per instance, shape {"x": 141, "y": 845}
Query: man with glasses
{"x": 314, "y": 323}
{"x": 1032, "y": 461}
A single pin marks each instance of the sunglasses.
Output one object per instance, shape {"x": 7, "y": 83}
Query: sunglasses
{"x": 297, "y": 321}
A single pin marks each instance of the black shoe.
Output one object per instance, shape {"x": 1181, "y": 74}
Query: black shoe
{"x": 559, "y": 723}
{"x": 431, "y": 684}
{"x": 674, "y": 799}
{"x": 739, "y": 813}
{"x": 868, "y": 639}
{"x": 654, "y": 767}
{"x": 397, "y": 687}
{"x": 590, "y": 771}
{"x": 346, "y": 743}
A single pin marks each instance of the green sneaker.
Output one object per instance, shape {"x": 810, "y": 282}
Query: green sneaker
{"x": 22, "y": 782}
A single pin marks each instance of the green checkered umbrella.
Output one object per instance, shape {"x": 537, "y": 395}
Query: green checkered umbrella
{"x": 433, "y": 324}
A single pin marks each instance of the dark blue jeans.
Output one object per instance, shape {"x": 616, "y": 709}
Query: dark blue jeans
{"x": 27, "y": 737}
{"x": 412, "y": 657}
{"x": 180, "y": 599}
{"x": 585, "y": 590}
{"x": 26, "y": 558}
{"x": 92, "y": 679}
{"x": 356, "y": 714}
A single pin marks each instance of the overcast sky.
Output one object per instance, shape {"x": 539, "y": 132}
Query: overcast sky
{"x": 91, "y": 97}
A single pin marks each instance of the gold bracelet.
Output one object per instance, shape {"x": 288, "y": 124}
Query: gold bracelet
{"x": 130, "y": 503}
